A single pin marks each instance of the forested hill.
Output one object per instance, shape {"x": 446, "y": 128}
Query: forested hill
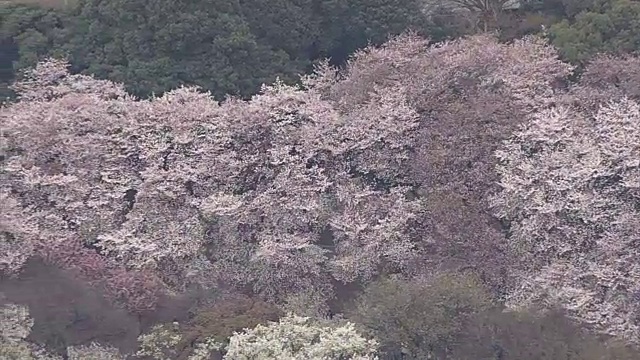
{"x": 466, "y": 190}
{"x": 232, "y": 47}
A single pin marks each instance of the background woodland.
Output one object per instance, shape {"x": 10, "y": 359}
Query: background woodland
{"x": 233, "y": 47}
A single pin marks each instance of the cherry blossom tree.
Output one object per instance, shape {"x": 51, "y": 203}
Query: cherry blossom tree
{"x": 470, "y": 94}
{"x": 285, "y": 194}
{"x": 570, "y": 190}
{"x": 201, "y": 192}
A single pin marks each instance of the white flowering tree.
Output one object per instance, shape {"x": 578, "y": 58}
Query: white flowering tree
{"x": 570, "y": 184}
{"x": 299, "y": 338}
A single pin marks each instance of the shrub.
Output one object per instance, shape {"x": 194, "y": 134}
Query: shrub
{"x": 225, "y": 317}
{"x": 529, "y": 335}
{"x": 421, "y": 317}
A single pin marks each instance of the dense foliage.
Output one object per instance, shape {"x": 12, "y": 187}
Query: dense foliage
{"x": 598, "y": 26}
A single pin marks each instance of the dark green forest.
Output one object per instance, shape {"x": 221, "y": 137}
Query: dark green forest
{"x": 227, "y": 47}
{"x": 232, "y": 47}
{"x": 320, "y": 180}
